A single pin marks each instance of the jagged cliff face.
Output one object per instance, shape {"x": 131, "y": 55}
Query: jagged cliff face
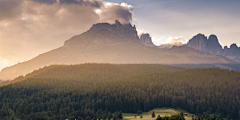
{"x": 212, "y": 45}
{"x": 146, "y": 39}
{"x": 105, "y": 31}
{"x": 198, "y": 42}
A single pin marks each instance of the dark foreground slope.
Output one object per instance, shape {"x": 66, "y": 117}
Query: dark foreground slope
{"x": 93, "y": 90}
{"x": 111, "y": 43}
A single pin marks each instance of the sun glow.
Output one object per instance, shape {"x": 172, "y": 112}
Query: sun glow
{"x": 176, "y": 40}
{"x": 98, "y": 11}
{"x": 169, "y": 40}
{"x": 108, "y": 4}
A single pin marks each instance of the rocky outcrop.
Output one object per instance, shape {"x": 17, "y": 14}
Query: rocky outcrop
{"x": 232, "y": 53}
{"x": 198, "y": 42}
{"x": 126, "y": 31}
{"x": 146, "y": 39}
{"x": 212, "y": 45}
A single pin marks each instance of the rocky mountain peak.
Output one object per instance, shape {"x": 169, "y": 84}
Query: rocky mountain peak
{"x": 213, "y": 45}
{"x": 200, "y": 35}
{"x": 213, "y": 40}
{"x": 225, "y": 47}
{"x": 146, "y": 39}
{"x": 105, "y": 31}
{"x": 232, "y": 52}
{"x": 198, "y": 42}
{"x": 118, "y": 24}
{"x": 234, "y": 46}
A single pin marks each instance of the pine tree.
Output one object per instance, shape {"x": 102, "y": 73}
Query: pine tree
{"x": 94, "y": 118}
{"x": 139, "y": 112}
{"x": 207, "y": 117}
{"x": 239, "y": 114}
{"x": 158, "y": 118}
{"x": 114, "y": 117}
{"x": 153, "y": 114}
{"x": 109, "y": 116}
{"x": 228, "y": 117}
{"x": 80, "y": 118}
{"x": 120, "y": 115}
{"x": 104, "y": 117}
{"x": 141, "y": 116}
{"x": 88, "y": 118}
{"x": 181, "y": 114}
{"x": 71, "y": 118}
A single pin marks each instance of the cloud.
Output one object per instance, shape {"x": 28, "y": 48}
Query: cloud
{"x": 46, "y": 1}
{"x": 172, "y": 41}
{"x": 140, "y": 32}
{"x": 176, "y": 40}
{"x": 164, "y": 40}
{"x": 10, "y": 9}
{"x": 122, "y": 11}
{"x": 95, "y": 3}
{"x": 31, "y": 27}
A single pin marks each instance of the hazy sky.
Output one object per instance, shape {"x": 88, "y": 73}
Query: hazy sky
{"x": 186, "y": 18}
{"x": 31, "y": 27}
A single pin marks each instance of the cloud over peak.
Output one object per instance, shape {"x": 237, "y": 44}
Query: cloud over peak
{"x": 176, "y": 40}
{"x": 14, "y": 9}
{"x": 31, "y": 27}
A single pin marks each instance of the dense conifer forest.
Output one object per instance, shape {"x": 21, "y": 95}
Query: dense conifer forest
{"x": 102, "y": 91}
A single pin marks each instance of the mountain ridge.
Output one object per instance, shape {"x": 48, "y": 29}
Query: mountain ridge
{"x": 111, "y": 43}
{"x": 212, "y": 45}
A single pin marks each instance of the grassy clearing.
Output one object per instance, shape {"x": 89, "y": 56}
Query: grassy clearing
{"x": 158, "y": 111}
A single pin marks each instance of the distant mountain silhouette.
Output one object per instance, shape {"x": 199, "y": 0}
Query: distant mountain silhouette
{"x": 112, "y": 43}
{"x": 212, "y": 45}
{"x": 146, "y": 39}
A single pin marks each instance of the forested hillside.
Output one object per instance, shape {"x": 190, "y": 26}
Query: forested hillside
{"x": 95, "y": 90}
{"x": 93, "y": 72}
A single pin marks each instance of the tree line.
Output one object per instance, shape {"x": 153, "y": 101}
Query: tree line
{"x": 105, "y": 89}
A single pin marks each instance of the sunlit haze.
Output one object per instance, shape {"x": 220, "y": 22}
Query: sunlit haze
{"x": 119, "y": 60}
{"x": 31, "y": 27}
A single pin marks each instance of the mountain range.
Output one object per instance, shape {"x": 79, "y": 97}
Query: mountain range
{"x": 212, "y": 45}
{"x": 120, "y": 44}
